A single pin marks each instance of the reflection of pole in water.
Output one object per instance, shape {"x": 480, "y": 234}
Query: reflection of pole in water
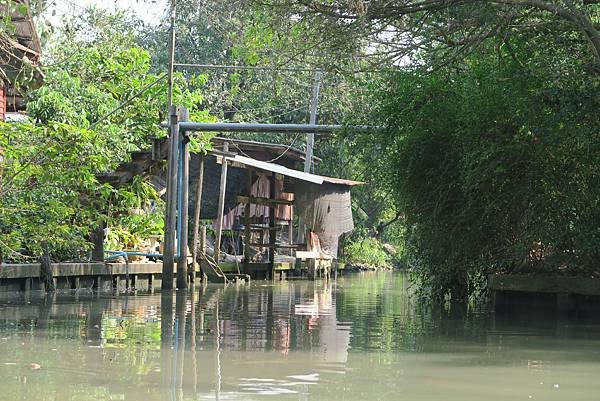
{"x": 193, "y": 341}
{"x": 269, "y": 322}
{"x": 218, "y": 350}
{"x": 179, "y": 352}
{"x": 166, "y": 341}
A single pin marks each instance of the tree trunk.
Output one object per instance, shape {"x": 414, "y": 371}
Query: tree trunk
{"x": 45, "y": 269}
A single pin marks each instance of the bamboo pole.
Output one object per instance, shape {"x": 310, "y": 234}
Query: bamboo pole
{"x": 197, "y": 210}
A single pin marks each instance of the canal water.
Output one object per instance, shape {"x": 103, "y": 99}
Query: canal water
{"x": 360, "y": 338}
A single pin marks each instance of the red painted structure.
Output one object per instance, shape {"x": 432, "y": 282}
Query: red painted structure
{"x": 2, "y": 103}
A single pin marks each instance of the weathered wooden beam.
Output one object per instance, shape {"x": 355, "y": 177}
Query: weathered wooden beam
{"x": 185, "y": 189}
{"x": 171, "y": 206}
{"x": 263, "y": 201}
{"x": 221, "y": 206}
{"x": 247, "y": 231}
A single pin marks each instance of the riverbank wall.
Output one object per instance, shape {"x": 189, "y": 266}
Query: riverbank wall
{"x": 567, "y": 296}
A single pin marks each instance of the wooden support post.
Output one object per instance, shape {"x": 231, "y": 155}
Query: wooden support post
{"x": 171, "y": 204}
{"x": 221, "y": 209}
{"x": 185, "y": 186}
{"x": 247, "y": 231}
{"x": 195, "y": 239}
{"x": 97, "y": 239}
{"x": 272, "y": 232}
{"x": 291, "y": 230}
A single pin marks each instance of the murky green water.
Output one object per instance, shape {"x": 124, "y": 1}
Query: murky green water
{"x": 357, "y": 339}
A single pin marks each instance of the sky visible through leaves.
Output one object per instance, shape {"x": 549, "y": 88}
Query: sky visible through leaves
{"x": 150, "y": 11}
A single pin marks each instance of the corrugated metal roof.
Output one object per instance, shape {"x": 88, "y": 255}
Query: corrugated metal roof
{"x": 288, "y": 172}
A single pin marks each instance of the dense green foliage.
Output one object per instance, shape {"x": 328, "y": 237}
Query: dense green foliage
{"x": 494, "y": 167}
{"x": 50, "y": 190}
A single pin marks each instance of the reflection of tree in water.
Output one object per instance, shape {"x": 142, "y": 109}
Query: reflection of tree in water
{"x": 384, "y": 318}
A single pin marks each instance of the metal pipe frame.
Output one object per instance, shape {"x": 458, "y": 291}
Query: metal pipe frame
{"x": 255, "y": 127}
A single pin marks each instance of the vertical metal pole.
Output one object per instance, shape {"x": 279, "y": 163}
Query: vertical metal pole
{"x": 196, "y": 246}
{"x": 171, "y": 53}
{"x": 221, "y": 209}
{"x": 310, "y": 138}
{"x": 183, "y": 212}
{"x": 171, "y": 204}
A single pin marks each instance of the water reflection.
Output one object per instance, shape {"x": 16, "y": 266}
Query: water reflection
{"x": 354, "y": 339}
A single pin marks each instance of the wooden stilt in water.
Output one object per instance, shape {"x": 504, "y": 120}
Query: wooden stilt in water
{"x": 185, "y": 184}
{"x": 221, "y": 206}
{"x": 171, "y": 206}
{"x": 247, "y": 231}
{"x": 196, "y": 245}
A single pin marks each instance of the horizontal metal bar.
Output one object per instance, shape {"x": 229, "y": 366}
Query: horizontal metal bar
{"x": 253, "y": 127}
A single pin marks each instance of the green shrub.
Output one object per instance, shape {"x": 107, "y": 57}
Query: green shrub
{"x": 367, "y": 251}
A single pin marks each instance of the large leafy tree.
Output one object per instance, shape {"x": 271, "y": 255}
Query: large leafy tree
{"x": 444, "y": 31}
{"x": 99, "y": 102}
{"x": 493, "y": 164}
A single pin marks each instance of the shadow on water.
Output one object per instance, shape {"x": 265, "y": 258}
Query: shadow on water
{"x": 358, "y": 338}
